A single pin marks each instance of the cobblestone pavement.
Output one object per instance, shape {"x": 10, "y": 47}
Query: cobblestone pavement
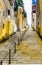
{"x": 9, "y": 44}
{"x": 29, "y": 50}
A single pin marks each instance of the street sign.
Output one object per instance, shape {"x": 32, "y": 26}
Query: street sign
{"x": 34, "y": 2}
{"x": 34, "y": 9}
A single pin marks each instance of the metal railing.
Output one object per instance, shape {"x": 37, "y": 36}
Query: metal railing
{"x": 11, "y": 50}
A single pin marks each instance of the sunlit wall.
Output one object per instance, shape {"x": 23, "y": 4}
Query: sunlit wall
{"x": 28, "y": 8}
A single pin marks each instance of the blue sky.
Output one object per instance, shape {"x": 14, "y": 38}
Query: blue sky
{"x": 28, "y": 8}
{"x": 34, "y": 2}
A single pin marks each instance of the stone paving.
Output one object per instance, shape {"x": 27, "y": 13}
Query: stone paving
{"x": 29, "y": 50}
{"x": 5, "y": 46}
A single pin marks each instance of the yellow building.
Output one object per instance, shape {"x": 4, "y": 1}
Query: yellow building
{"x": 20, "y": 18}
{"x": 2, "y": 16}
{"x": 39, "y": 17}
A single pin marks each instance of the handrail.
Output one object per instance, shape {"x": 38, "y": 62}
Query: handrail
{"x": 13, "y": 46}
{"x": 9, "y": 53}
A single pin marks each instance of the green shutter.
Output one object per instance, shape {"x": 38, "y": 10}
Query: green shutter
{"x": 20, "y": 3}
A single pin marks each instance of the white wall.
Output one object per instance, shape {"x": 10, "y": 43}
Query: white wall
{"x": 28, "y": 8}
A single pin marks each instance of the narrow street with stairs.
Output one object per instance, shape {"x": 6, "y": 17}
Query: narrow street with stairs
{"x": 29, "y": 50}
{"x": 20, "y": 32}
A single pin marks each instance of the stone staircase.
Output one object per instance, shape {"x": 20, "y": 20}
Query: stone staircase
{"x": 9, "y": 44}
